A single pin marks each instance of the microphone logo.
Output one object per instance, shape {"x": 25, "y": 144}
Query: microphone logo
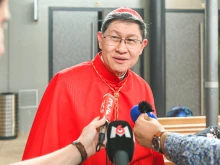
{"x": 107, "y": 106}
{"x": 120, "y": 131}
{"x": 120, "y": 142}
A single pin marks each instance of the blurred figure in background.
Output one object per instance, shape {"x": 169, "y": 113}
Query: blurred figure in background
{"x": 4, "y": 16}
{"x": 179, "y": 111}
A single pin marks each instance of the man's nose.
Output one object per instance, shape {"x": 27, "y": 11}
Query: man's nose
{"x": 122, "y": 47}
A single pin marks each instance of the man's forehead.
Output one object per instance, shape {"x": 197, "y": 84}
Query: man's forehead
{"x": 123, "y": 26}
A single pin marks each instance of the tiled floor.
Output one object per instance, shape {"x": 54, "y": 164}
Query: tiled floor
{"x": 12, "y": 150}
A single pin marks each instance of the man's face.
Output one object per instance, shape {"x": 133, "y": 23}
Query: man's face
{"x": 121, "y": 57}
{"x": 4, "y": 16}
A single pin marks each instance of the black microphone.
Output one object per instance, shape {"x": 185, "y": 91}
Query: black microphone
{"x": 120, "y": 142}
{"x": 142, "y": 107}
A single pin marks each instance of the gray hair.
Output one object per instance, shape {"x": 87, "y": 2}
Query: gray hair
{"x": 126, "y": 17}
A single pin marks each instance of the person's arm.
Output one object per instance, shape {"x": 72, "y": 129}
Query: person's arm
{"x": 180, "y": 149}
{"x": 70, "y": 155}
{"x": 191, "y": 149}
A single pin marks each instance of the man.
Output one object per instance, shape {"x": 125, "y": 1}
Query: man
{"x": 181, "y": 149}
{"x": 74, "y": 96}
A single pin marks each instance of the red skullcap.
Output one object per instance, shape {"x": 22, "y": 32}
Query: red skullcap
{"x": 127, "y": 10}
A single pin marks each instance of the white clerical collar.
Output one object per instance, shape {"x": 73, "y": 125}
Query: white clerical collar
{"x": 122, "y": 77}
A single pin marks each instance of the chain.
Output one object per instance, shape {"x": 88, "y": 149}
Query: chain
{"x": 116, "y": 93}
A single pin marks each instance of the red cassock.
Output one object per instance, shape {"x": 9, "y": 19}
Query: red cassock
{"x": 73, "y": 99}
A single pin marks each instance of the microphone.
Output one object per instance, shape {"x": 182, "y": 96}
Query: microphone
{"x": 106, "y": 110}
{"x": 120, "y": 143}
{"x": 142, "y": 107}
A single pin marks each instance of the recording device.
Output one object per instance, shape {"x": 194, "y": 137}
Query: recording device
{"x": 142, "y": 107}
{"x": 120, "y": 142}
{"x": 106, "y": 110}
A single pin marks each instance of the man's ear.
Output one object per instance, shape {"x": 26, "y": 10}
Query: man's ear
{"x": 144, "y": 43}
{"x": 99, "y": 36}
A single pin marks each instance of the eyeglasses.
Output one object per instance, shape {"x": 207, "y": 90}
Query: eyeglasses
{"x": 114, "y": 40}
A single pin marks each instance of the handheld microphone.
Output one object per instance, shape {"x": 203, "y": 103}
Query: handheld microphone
{"x": 120, "y": 142}
{"x": 142, "y": 107}
{"x": 106, "y": 110}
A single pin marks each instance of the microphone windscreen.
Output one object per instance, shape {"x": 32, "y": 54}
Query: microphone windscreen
{"x": 142, "y": 107}
{"x": 145, "y": 107}
{"x": 119, "y": 138}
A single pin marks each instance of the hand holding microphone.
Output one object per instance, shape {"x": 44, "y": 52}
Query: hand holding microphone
{"x": 106, "y": 111}
{"x": 146, "y": 124}
{"x": 89, "y": 135}
{"x": 145, "y": 130}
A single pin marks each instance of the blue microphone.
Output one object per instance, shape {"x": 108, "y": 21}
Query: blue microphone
{"x": 142, "y": 107}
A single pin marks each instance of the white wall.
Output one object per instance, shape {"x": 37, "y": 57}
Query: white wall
{"x": 4, "y": 60}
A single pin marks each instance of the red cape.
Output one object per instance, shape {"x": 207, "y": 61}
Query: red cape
{"x": 73, "y": 99}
